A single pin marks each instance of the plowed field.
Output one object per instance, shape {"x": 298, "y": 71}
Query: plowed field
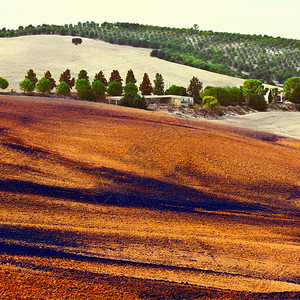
{"x": 106, "y": 202}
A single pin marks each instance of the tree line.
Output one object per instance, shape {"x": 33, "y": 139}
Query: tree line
{"x": 266, "y": 58}
{"x": 252, "y": 92}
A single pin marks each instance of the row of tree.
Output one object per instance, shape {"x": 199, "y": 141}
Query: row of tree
{"x": 252, "y": 92}
{"x": 100, "y": 85}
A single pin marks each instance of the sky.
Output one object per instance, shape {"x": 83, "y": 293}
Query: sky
{"x": 270, "y": 17}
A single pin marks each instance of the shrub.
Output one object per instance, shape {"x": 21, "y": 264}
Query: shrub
{"x": 82, "y": 85}
{"x": 88, "y": 94}
{"x": 298, "y": 107}
{"x": 131, "y": 97}
{"x": 210, "y": 102}
{"x": 26, "y": 85}
{"x": 130, "y": 88}
{"x": 218, "y": 92}
{"x": 177, "y": 90}
{"x": 3, "y": 83}
{"x": 115, "y": 88}
{"x": 257, "y": 102}
{"x": 98, "y": 87}
{"x": 289, "y": 86}
{"x": 44, "y": 85}
{"x": 62, "y": 88}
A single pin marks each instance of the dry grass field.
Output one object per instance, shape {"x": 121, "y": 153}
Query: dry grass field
{"x": 57, "y": 53}
{"x": 105, "y": 202}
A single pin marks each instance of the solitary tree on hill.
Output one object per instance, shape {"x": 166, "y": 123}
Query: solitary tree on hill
{"x": 115, "y": 76}
{"x": 100, "y": 76}
{"x": 66, "y": 77}
{"x": 146, "y": 87}
{"x": 130, "y": 77}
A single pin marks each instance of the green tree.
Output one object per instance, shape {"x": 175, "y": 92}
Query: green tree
{"x": 289, "y": 86}
{"x": 130, "y": 77}
{"x": 88, "y": 94}
{"x": 254, "y": 86}
{"x": 31, "y": 76}
{"x": 49, "y": 77}
{"x": 210, "y": 102}
{"x": 3, "y": 83}
{"x": 131, "y": 97}
{"x": 257, "y": 102}
{"x": 98, "y": 87}
{"x": 83, "y": 75}
{"x": 66, "y": 77}
{"x": 195, "y": 88}
{"x": 159, "y": 86}
{"x": 82, "y": 85}
{"x": 44, "y": 85}
{"x": 115, "y": 88}
{"x": 27, "y": 85}
{"x": 62, "y": 88}
{"x": 145, "y": 86}
{"x": 115, "y": 76}
{"x": 100, "y": 76}
{"x": 177, "y": 90}
{"x": 295, "y": 94}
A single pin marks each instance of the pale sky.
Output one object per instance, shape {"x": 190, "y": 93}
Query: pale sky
{"x": 271, "y": 17}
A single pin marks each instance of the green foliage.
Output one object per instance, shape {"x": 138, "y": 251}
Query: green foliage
{"x": 289, "y": 85}
{"x": 145, "y": 86}
{"x": 3, "y": 83}
{"x": 31, "y": 76}
{"x": 66, "y": 77}
{"x": 177, "y": 90}
{"x": 210, "y": 102}
{"x": 83, "y": 75}
{"x": 27, "y": 85}
{"x": 159, "y": 86}
{"x": 295, "y": 94}
{"x": 195, "y": 88}
{"x": 115, "y": 88}
{"x": 130, "y": 77}
{"x": 254, "y": 86}
{"x": 131, "y": 97}
{"x": 257, "y": 102}
{"x": 235, "y": 95}
{"x": 62, "y": 88}
{"x": 49, "y": 77}
{"x": 100, "y": 76}
{"x": 44, "y": 85}
{"x": 98, "y": 87}
{"x": 87, "y": 94}
{"x": 82, "y": 85}
{"x": 115, "y": 76}
{"x": 130, "y": 88}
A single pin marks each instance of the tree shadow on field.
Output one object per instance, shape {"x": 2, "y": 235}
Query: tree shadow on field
{"x": 132, "y": 191}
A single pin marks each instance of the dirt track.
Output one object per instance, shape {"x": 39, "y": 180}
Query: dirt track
{"x": 96, "y": 191}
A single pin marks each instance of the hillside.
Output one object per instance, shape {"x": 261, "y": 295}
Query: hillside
{"x": 110, "y": 202}
{"x": 57, "y": 53}
{"x": 266, "y": 58}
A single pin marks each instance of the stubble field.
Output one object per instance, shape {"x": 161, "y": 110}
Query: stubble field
{"x": 107, "y": 202}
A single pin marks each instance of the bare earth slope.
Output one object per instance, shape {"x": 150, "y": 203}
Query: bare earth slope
{"x": 98, "y": 201}
{"x": 57, "y": 53}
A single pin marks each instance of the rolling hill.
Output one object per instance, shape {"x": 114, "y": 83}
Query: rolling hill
{"x": 266, "y": 58}
{"x": 57, "y": 53}
{"x": 101, "y": 201}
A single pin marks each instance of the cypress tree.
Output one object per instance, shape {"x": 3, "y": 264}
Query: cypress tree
{"x": 146, "y": 87}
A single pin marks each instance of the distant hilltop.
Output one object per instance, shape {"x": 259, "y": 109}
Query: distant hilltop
{"x": 271, "y": 60}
